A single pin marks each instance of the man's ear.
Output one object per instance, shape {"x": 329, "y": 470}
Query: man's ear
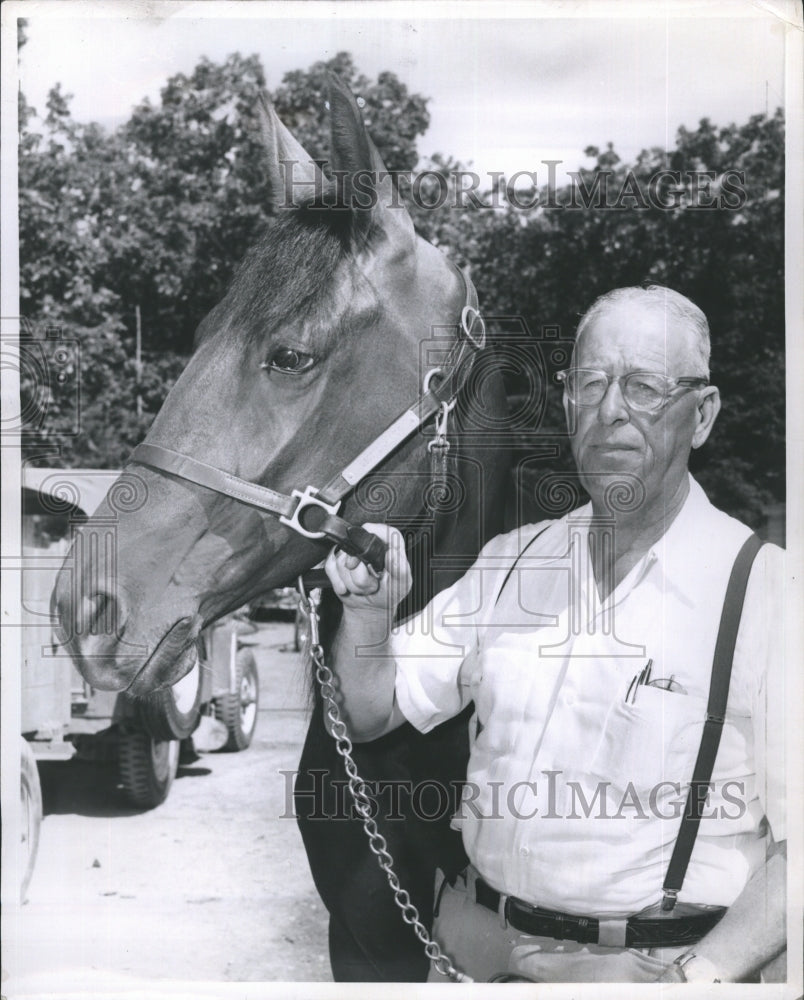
{"x": 706, "y": 414}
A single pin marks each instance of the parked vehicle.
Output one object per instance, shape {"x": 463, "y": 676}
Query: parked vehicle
{"x": 63, "y": 716}
{"x": 281, "y": 604}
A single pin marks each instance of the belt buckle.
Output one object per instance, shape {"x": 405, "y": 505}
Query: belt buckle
{"x": 612, "y": 932}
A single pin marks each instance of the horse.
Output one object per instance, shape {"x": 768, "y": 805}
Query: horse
{"x": 323, "y": 338}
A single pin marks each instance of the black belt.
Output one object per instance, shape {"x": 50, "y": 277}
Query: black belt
{"x": 640, "y": 932}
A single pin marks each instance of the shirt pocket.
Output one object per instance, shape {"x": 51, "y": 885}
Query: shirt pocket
{"x": 654, "y": 740}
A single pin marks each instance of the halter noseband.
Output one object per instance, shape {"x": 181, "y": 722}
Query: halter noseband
{"x": 313, "y": 512}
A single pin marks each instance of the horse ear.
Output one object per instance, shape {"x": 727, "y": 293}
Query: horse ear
{"x": 361, "y": 177}
{"x": 294, "y": 177}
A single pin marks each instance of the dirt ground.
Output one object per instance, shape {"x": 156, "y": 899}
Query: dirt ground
{"x": 212, "y": 885}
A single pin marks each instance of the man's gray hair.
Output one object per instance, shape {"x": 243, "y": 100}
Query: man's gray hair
{"x": 658, "y": 297}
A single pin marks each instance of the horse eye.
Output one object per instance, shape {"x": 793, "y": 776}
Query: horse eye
{"x": 289, "y": 360}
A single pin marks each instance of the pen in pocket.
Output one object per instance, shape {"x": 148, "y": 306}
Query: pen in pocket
{"x": 639, "y": 680}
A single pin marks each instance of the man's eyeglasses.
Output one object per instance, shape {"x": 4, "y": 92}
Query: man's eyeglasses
{"x": 641, "y": 390}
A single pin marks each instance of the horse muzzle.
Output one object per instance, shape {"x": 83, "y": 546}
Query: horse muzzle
{"x": 94, "y": 628}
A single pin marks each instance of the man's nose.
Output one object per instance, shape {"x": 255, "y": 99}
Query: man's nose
{"x": 612, "y": 408}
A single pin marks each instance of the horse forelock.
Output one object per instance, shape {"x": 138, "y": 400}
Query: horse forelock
{"x": 291, "y": 272}
{"x": 287, "y": 272}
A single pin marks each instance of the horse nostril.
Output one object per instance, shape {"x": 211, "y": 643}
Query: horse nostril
{"x": 100, "y": 614}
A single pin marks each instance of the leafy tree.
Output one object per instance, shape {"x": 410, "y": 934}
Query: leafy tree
{"x": 395, "y": 117}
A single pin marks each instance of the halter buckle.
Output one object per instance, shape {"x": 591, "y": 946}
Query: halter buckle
{"x": 469, "y": 318}
{"x": 428, "y": 378}
{"x": 308, "y": 498}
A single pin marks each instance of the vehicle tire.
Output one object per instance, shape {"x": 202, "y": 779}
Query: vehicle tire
{"x": 172, "y": 713}
{"x": 238, "y": 711}
{"x": 147, "y": 767}
{"x": 30, "y": 815}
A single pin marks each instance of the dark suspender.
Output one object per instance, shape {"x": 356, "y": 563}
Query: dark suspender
{"x": 516, "y": 561}
{"x": 713, "y": 727}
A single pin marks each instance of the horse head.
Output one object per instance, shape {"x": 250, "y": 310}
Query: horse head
{"x": 314, "y": 350}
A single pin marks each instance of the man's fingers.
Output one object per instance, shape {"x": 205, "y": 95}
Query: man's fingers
{"x": 346, "y": 575}
{"x": 361, "y": 579}
{"x": 351, "y": 578}
{"x": 335, "y": 574}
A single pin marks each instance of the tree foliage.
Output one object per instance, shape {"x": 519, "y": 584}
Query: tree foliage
{"x": 157, "y": 213}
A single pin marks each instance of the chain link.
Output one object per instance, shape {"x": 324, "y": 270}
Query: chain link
{"x": 362, "y": 803}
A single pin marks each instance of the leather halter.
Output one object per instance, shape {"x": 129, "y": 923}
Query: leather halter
{"x": 313, "y": 512}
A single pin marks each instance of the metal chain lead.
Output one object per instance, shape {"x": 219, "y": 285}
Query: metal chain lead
{"x": 362, "y": 803}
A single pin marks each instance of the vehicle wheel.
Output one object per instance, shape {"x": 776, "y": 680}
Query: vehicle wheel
{"x": 147, "y": 767}
{"x": 30, "y": 814}
{"x": 172, "y": 713}
{"x": 238, "y": 711}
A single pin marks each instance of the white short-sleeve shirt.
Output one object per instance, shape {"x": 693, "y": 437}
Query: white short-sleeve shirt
{"x": 575, "y": 788}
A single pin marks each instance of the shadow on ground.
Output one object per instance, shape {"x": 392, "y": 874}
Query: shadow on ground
{"x": 90, "y": 788}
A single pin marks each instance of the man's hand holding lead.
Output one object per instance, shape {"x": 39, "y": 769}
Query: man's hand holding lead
{"x": 366, "y": 671}
{"x": 360, "y": 588}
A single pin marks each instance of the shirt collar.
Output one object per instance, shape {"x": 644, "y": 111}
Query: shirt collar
{"x": 689, "y": 536}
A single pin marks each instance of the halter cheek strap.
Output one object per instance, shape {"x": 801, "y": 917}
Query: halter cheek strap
{"x": 313, "y": 512}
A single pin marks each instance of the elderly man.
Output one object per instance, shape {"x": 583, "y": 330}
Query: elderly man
{"x": 587, "y": 645}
